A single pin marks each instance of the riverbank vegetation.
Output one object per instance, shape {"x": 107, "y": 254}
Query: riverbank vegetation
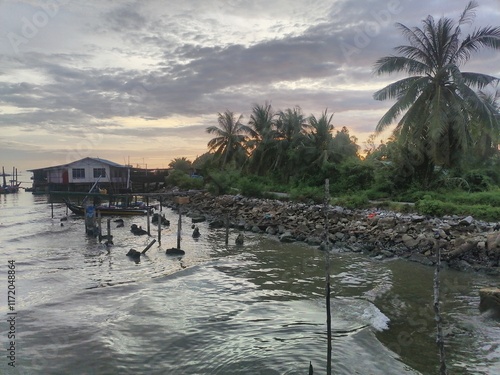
{"x": 443, "y": 156}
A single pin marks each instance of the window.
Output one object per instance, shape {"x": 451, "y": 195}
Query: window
{"x": 99, "y": 172}
{"x": 78, "y": 173}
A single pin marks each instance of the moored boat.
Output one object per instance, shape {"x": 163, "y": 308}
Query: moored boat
{"x": 108, "y": 210}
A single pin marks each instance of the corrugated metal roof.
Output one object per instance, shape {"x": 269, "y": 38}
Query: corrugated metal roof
{"x": 99, "y": 160}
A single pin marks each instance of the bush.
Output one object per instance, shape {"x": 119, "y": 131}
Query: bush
{"x": 307, "y": 194}
{"x": 250, "y": 188}
{"x": 222, "y": 182}
{"x": 183, "y": 181}
{"x": 356, "y": 175}
{"x": 353, "y": 201}
{"x": 433, "y": 207}
{"x": 477, "y": 181}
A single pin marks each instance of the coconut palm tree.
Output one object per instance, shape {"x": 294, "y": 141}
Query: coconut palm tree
{"x": 488, "y": 138}
{"x": 320, "y": 147}
{"x": 231, "y": 136}
{"x": 290, "y": 136}
{"x": 437, "y": 104}
{"x": 262, "y": 122}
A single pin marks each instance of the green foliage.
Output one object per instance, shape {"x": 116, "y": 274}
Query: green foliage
{"x": 222, "y": 182}
{"x": 434, "y": 207}
{"x": 251, "y": 188}
{"x": 477, "y": 181}
{"x": 356, "y": 174}
{"x": 181, "y": 164}
{"x": 483, "y": 205}
{"x": 183, "y": 181}
{"x": 307, "y": 194}
{"x": 354, "y": 201}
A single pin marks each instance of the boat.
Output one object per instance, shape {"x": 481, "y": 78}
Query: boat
{"x": 14, "y": 185}
{"x": 108, "y": 210}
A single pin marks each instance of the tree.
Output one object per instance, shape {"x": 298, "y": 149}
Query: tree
{"x": 180, "y": 164}
{"x": 231, "y": 137}
{"x": 320, "y": 139}
{"x": 262, "y": 122}
{"x": 437, "y": 105}
{"x": 289, "y": 137}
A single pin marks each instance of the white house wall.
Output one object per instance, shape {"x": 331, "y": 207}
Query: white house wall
{"x": 54, "y": 176}
{"x": 88, "y": 166}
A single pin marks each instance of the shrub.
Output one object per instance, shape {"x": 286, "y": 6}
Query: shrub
{"x": 250, "y": 188}
{"x": 183, "y": 181}
{"x": 477, "y": 181}
{"x": 433, "y": 207}
{"x": 307, "y": 193}
{"x": 353, "y": 201}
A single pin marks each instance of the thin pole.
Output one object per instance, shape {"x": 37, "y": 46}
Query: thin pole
{"x": 99, "y": 223}
{"x": 439, "y": 328}
{"x": 327, "y": 289}
{"x": 159, "y": 225}
{"x": 179, "y": 227}
{"x": 147, "y": 208}
{"x": 52, "y": 207}
{"x": 108, "y": 227}
{"x": 227, "y": 227}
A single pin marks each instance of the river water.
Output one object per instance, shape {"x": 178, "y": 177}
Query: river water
{"x": 252, "y": 309}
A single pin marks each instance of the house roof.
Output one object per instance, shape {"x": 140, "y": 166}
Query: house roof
{"x": 97, "y": 160}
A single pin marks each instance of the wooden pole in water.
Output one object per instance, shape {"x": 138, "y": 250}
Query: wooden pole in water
{"x": 147, "y": 247}
{"x": 327, "y": 289}
{"x": 227, "y": 227}
{"x": 99, "y": 224}
{"x": 439, "y": 328}
{"x": 51, "y": 207}
{"x": 148, "y": 215}
{"x": 159, "y": 225}
{"x": 108, "y": 227}
{"x": 179, "y": 227}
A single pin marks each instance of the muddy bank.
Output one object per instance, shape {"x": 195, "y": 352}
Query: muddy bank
{"x": 465, "y": 243}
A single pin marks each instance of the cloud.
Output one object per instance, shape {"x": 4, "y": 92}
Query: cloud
{"x": 123, "y": 68}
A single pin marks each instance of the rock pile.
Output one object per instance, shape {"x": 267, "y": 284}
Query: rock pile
{"x": 465, "y": 243}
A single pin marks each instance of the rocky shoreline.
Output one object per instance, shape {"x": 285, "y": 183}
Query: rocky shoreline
{"x": 466, "y": 244}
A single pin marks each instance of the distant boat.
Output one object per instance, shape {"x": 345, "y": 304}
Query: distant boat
{"x": 14, "y": 185}
{"x": 107, "y": 210}
{"x": 9, "y": 189}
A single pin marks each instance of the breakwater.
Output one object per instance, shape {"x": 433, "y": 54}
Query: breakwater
{"x": 465, "y": 243}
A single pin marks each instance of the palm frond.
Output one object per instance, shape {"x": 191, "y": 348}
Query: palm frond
{"x": 484, "y": 37}
{"x": 396, "y": 89}
{"x": 478, "y": 80}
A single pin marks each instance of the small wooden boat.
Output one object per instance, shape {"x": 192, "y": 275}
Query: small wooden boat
{"x": 108, "y": 210}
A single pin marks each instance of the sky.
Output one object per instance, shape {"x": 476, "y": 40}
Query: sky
{"x": 138, "y": 82}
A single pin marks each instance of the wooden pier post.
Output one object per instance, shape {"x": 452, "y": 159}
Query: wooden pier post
{"x": 148, "y": 215}
{"x": 180, "y": 201}
{"x": 51, "y": 208}
{"x": 179, "y": 228}
{"x": 99, "y": 225}
{"x": 226, "y": 219}
{"x": 159, "y": 225}
{"x": 108, "y": 227}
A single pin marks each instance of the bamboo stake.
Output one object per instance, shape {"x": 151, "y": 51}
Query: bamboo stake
{"x": 147, "y": 209}
{"x": 99, "y": 224}
{"x": 179, "y": 228}
{"x": 147, "y": 247}
{"x": 159, "y": 224}
{"x": 439, "y": 328}
{"x": 108, "y": 227}
{"x": 227, "y": 227}
{"x": 327, "y": 291}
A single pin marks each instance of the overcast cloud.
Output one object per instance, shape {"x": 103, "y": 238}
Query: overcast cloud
{"x": 141, "y": 80}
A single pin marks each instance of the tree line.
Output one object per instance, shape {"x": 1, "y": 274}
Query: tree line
{"x": 446, "y": 125}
